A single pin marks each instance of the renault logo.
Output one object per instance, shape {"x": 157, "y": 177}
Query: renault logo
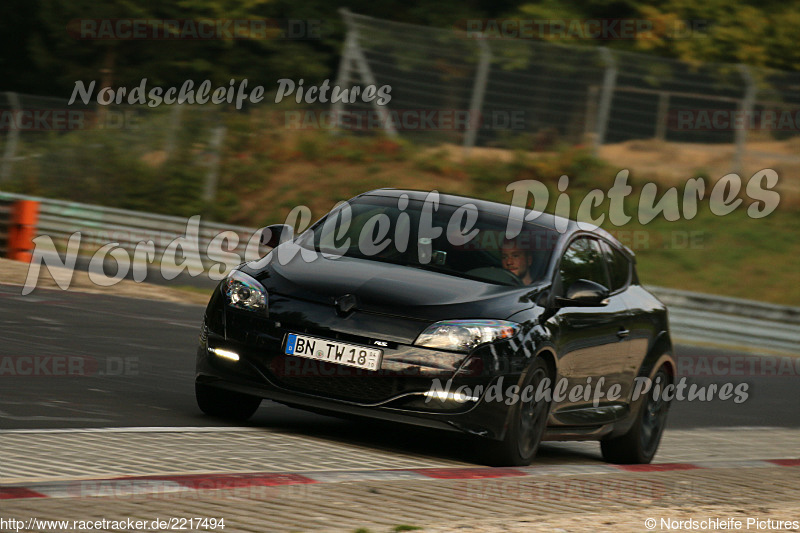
{"x": 345, "y": 304}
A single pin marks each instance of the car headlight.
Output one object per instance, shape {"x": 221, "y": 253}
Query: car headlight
{"x": 244, "y": 292}
{"x": 464, "y": 335}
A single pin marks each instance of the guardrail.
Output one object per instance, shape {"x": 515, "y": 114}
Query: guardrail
{"x": 725, "y": 304}
{"x": 697, "y": 317}
{"x": 694, "y": 317}
{"x": 100, "y": 225}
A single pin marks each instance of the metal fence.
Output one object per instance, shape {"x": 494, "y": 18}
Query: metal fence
{"x": 99, "y": 226}
{"x": 524, "y": 93}
{"x": 571, "y": 94}
{"x": 745, "y": 324}
{"x": 85, "y": 152}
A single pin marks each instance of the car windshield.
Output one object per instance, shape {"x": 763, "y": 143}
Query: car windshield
{"x": 460, "y": 241}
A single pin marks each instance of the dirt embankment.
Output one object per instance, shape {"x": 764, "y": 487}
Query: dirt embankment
{"x": 671, "y": 163}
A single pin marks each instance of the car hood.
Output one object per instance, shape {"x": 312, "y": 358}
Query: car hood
{"x": 387, "y": 288}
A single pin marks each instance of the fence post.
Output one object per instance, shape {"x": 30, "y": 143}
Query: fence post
{"x": 12, "y": 138}
{"x": 212, "y": 176}
{"x": 603, "y": 112}
{"x": 478, "y": 90}
{"x": 745, "y": 110}
{"x": 661, "y": 118}
{"x": 353, "y": 53}
{"x": 343, "y": 76}
{"x": 172, "y": 131}
{"x": 589, "y": 126}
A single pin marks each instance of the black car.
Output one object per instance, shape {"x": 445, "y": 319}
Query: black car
{"x": 412, "y": 307}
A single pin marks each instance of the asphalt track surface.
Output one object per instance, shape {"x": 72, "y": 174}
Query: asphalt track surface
{"x": 138, "y": 370}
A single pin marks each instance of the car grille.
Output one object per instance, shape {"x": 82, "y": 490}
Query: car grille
{"x": 359, "y": 388}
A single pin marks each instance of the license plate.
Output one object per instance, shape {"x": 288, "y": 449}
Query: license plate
{"x": 334, "y": 352}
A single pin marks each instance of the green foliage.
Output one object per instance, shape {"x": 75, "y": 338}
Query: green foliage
{"x": 578, "y": 163}
{"x": 436, "y": 161}
{"x": 488, "y": 178}
{"x": 96, "y": 167}
{"x": 55, "y": 55}
{"x": 732, "y": 255}
{"x": 364, "y": 149}
{"x": 722, "y": 31}
{"x": 48, "y": 57}
{"x": 581, "y": 165}
{"x": 311, "y": 147}
{"x": 541, "y": 141}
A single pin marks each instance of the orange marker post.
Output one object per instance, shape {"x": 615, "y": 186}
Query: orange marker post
{"x": 24, "y": 217}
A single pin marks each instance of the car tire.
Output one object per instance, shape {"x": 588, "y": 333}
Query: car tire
{"x": 223, "y": 403}
{"x": 640, "y": 443}
{"x": 527, "y": 424}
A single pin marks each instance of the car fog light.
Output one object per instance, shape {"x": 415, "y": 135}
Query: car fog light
{"x": 225, "y": 354}
{"x": 450, "y": 396}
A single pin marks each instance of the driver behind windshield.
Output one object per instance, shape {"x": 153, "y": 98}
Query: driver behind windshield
{"x": 516, "y": 260}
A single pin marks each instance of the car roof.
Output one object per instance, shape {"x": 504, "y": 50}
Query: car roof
{"x": 545, "y": 220}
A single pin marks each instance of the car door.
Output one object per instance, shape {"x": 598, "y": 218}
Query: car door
{"x": 638, "y": 324}
{"x": 591, "y": 341}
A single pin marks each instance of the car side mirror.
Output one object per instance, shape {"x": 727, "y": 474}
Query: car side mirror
{"x": 584, "y": 293}
{"x": 273, "y": 235}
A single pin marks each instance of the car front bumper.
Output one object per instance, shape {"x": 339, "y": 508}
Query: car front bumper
{"x": 396, "y": 392}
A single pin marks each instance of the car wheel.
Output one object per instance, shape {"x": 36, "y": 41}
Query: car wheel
{"x": 224, "y": 403}
{"x": 526, "y": 426}
{"x": 640, "y": 443}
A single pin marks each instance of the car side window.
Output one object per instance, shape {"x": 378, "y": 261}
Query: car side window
{"x": 619, "y": 267}
{"x": 582, "y": 260}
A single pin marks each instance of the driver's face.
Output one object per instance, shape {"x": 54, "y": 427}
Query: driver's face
{"x": 516, "y": 261}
